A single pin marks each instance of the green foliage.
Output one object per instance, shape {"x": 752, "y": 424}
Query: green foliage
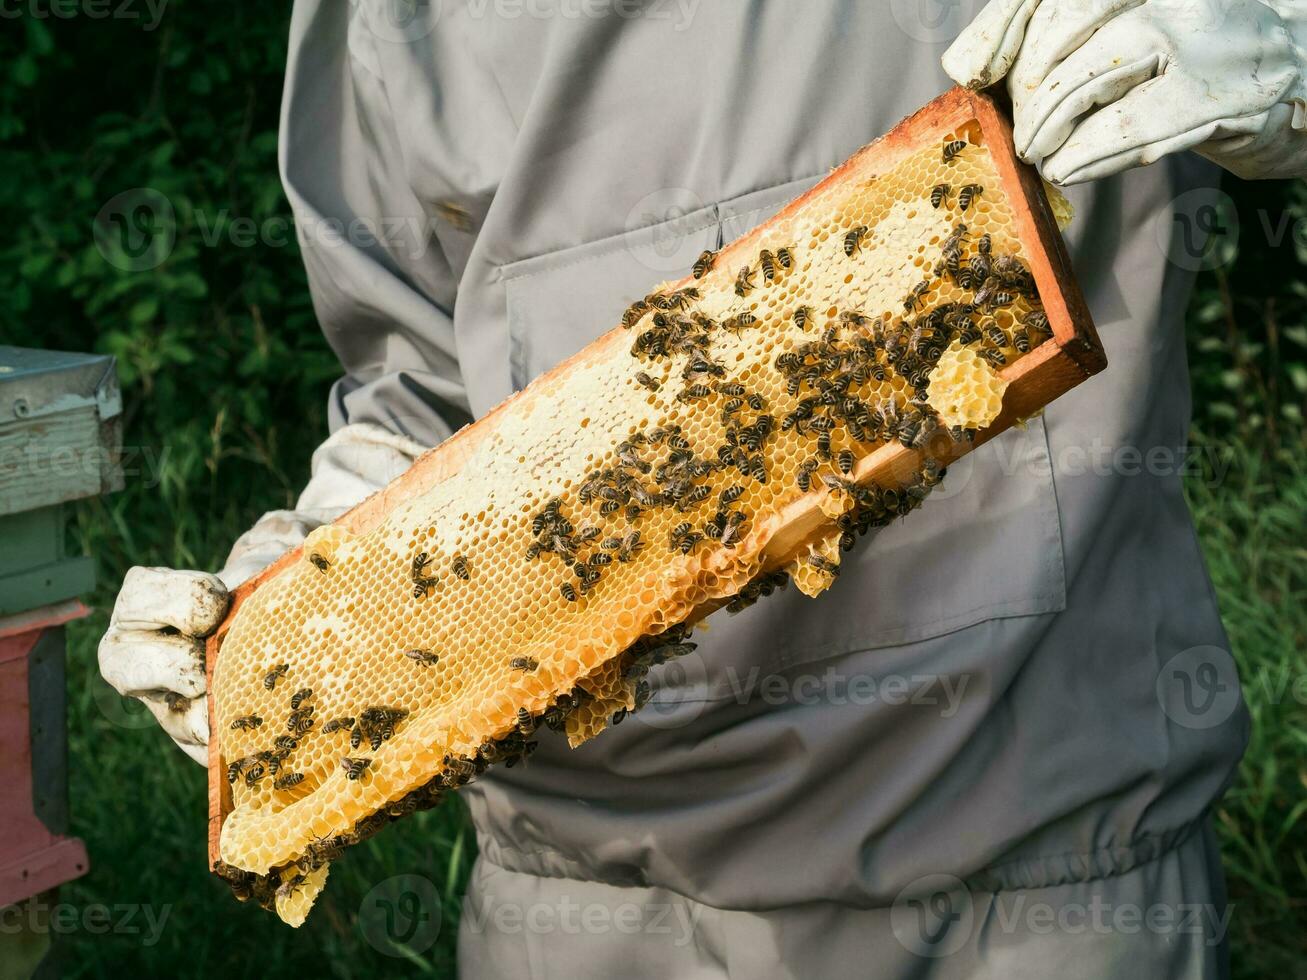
{"x": 225, "y": 379}
{"x": 1248, "y": 323}
{"x": 216, "y": 344}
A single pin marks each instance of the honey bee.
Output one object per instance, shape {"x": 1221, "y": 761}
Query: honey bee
{"x": 288, "y": 779}
{"x": 693, "y": 393}
{"x": 354, "y": 768}
{"x": 287, "y": 888}
{"x": 853, "y": 240}
{"x": 994, "y": 333}
{"x": 424, "y": 657}
{"x": 702, "y": 366}
{"x": 738, "y": 322}
{"x": 767, "y": 263}
{"x": 802, "y": 317}
{"x": 969, "y": 334}
{"x": 253, "y": 774}
{"x": 320, "y": 563}
{"x": 744, "y": 282}
{"x": 952, "y": 148}
{"x": 831, "y": 568}
{"x": 277, "y": 673}
{"x": 461, "y": 568}
{"x": 785, "y": 256}
{"x": 1036, "y": 321}
{"x": 734, "y": 521}
{"x": 731, "y": 494}
{"x": 730, "y": 389}
{"x": 246, "y": 723}
{"x": 337, "y": 725}
{"x": 703, "y": 265}
{"x": 990, "y": 295}
{"x": 177, "y": 703}
{"x": 524, "y": 664}
{"x": 631, "y": 546}
{"x": 968, "y": 195}
{"x": 994, "y": 356}
{"x": 939, "y": 195}
{"x": 845, "y": 460}
{"x": 299, "y": 697}
{"x": 644, "y": 380}
{"x": 932, "y": 473}
{"x": 356, "y": 736}
{"x": 680, "y": 299}
{"x": 546, "y": 518}
{"x": 913, "y": 299}
{"x": 300, "y": 722}
{"x": 1011, "y": 272}
{"x": 286, "y": 743}
{"x": 984, "y": 245}
{"x": 804, "y": 478}
{"x": 695, "y": 496}
{"x": 235, "y": 769}
{"x": 634, "y": 313}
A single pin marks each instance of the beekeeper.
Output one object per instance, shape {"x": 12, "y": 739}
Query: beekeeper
{"x": 992, "y": 749}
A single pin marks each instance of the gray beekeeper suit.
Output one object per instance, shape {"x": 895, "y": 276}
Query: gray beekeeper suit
{"x": 991, "y": 749}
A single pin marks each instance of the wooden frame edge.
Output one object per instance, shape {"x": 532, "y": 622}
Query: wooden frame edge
{"x": 1072, "y": 355}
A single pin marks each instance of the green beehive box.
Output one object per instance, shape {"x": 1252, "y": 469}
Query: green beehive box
{"x": 60, "y": 440}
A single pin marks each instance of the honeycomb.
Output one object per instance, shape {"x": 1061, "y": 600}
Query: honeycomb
{"x": 965, "y": 390}
{"x": 615, "y": 503}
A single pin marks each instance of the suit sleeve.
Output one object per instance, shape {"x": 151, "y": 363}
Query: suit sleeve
{"x": 381, "y": 282}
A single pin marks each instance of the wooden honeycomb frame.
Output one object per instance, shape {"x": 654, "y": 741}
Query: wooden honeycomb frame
{"x": 1072, "y": 355}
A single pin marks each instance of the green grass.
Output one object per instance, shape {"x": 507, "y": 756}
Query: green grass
{"x": 1253, "y": 527}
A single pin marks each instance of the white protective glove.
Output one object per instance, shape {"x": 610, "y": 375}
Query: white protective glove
{"x": 1100, "y": 86}
{"x": 154, "y": 647}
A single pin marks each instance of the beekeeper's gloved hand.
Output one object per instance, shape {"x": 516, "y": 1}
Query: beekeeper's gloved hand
{"x": 154, "y": 647}
{"x": 1099, "y": 86}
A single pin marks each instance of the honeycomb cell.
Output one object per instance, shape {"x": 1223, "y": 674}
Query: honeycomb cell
{"x": 592, "y": 524}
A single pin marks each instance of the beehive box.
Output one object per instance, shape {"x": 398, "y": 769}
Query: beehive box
{"x": 736, "y": 431}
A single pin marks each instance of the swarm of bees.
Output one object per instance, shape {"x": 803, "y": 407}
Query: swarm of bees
{"x": 695, "y": 485}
